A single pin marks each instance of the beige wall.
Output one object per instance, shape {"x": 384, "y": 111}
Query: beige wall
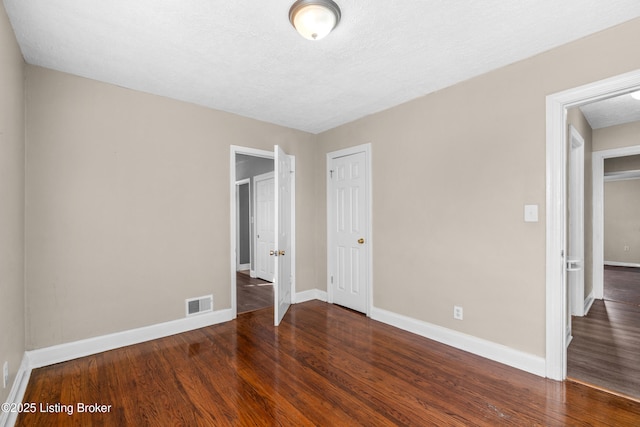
{"x": 12, "y": 343}
{"x": 128, "y": 205}
{"x": 620, "y": 136}
{"x": 620, "y": 164}
{"x": 451, "y": 174}
{"x": 577, "y": 119}
{"x": 622, "y": 221}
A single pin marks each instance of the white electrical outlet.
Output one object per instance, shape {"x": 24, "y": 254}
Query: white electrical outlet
{"x": 5, "y": 374}
{"x": 457, "y": 312}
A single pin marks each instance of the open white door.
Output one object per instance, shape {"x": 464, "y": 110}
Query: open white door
{"x": 575, "y": 258}
{"x": 283, "y": 253}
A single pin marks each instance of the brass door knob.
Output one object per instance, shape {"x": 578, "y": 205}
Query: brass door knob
{"x": 281, "y": 253}
{"x": 361, "y": 241}
{"x": 272, "y": 253}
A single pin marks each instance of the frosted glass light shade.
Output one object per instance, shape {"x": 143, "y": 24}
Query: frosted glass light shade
{"x": 636, "y": 95}
{"x": 314, "y": 19}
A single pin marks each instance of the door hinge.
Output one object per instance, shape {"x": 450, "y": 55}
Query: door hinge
{"x": 331, "y": 173}
{"x": 332, "y": 280}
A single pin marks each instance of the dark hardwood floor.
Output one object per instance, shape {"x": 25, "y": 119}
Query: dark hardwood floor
{"x": 605, "y": 350}
{"x": 252, "y": 294}
{"x": 622, "y": 284}
{"x": 323, "y": 366}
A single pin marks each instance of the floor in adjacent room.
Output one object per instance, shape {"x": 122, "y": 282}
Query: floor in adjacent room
{"x": 605, "y": 350}
{"x": 252, "y": 293}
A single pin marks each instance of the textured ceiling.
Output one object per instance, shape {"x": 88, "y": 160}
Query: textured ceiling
{"x": 244, "y": 57}
{"x": 611, "y": 112}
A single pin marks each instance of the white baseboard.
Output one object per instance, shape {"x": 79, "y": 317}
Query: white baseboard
{"x": 311, "y": 295}
{"x": 622, "y": 264}
{"x": 490, "y": 350}
{"x": 243, "y": 267}
{"x": 252, "y": 274}
{"x": 63, "y": 352}
{"x": 73, "y": 350}
{"x": 16, "y": 394}
{"x": 588, "y": 302}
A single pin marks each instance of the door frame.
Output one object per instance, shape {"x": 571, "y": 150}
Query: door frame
{"x": 598, "y": 211}
{"x": 233, "y": 150}
{"x": 366, "y": 149}
{"x": 556, "y": 203}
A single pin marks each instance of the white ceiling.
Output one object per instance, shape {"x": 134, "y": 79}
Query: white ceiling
{"x": 611, "y": 112}
{"x": 244, "y": 57}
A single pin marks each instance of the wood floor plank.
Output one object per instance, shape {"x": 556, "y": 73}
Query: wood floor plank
{"x": 605, "y": 350}
{"x": 324, "y": 365}
{"x": 622, "y": 284}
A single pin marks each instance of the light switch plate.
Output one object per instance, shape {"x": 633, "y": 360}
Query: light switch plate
{"x": 530, "y": 213}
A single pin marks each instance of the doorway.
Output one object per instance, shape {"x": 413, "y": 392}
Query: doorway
{"x": 604, "y": 352}
{"x": 599, "y": 158}
{"x": 349, "y": 228}
{"x": 556, "y": 215}
{"x": 248, "y": 165}
{"x": 254, "y": 287}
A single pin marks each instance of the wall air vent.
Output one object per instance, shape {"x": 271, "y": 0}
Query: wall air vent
{"x": 199, "y": 305}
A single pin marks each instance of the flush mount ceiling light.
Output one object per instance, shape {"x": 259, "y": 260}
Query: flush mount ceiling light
{"x": 314, "y": 19}
{"x": 636, "y": 95}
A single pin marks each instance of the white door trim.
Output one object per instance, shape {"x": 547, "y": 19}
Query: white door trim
{"x": 556, "y": 202}
{"x": 234, "y": 149}
{"x": 366, "y": 148}
{"x": 293, "y": 228}
{"x": 598, "y": 212}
